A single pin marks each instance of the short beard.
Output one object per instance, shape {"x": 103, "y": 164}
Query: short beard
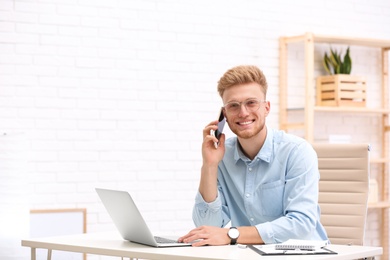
{"x": 248, "y": 135}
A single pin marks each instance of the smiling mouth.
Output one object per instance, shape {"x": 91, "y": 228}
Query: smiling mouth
{"x": 246, "y": 122}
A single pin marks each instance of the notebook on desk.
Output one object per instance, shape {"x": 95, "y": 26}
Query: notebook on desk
{"x": 129, "y": 221}
{"x": 294, "y": 247}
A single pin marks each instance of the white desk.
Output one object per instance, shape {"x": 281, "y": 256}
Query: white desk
{"x": 113, "y": 245}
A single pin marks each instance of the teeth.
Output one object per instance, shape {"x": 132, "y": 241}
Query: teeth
{"x": 246, "y": 123}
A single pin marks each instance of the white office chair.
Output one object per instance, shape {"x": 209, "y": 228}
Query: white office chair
{"x": 343, "y": 190}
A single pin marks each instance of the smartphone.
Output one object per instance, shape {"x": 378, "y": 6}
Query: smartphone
{"x": 221, "y": 123}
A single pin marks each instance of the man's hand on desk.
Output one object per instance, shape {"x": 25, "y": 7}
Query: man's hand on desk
{"x": 207, "y": 235}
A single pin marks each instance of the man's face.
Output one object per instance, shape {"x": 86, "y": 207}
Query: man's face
{"x": 244, "y": 121}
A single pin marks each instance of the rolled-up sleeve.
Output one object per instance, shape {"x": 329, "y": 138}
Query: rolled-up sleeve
{"x": 211, "y": 214}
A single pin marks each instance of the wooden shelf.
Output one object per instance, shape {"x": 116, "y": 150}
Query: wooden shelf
{"x": 309, "y": 107}
{"x": 360, "y": 110}
{"x": 379, "y": 160}
{"x": 366, "y": 42}
{"x": 379, "y": 205}
{"x": 318, "y": 38}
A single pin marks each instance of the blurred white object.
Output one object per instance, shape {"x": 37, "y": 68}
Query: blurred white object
{"x": 14, "y": 203}
{"x": 373, "y": 191}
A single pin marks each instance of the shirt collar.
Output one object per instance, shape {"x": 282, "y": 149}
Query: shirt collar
{"x": 265, "y": 152}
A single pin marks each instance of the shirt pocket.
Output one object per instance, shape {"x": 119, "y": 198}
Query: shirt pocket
{"x": 271, "y": 197}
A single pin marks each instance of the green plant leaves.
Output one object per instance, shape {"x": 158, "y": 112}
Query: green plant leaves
{"x": 326, "y": 62}
{"x": 333, "y": 63}
{"x": 347, "y": 65}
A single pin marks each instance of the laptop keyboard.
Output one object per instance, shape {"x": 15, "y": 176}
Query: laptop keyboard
{"x": 163, "y": 240}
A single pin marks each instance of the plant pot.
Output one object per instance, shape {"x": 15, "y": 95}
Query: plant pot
{"x": 341, "y": 90}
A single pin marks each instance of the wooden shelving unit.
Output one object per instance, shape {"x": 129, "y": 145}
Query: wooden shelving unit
{"x": 309, "y": 107}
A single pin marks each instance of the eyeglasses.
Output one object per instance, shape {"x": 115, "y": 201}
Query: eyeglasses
{"x": 251, "y": 105}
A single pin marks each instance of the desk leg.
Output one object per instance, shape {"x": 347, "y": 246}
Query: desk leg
{"x": 33, "y": 253}
{"x": 48, "y": 254}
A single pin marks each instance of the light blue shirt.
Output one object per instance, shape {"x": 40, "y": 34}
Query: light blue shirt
{"x": 277, "y": 191}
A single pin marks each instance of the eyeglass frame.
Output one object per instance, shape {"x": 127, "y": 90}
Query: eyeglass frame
{"x": 245, "y": 105}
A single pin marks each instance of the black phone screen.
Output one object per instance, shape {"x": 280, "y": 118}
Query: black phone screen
{"x": 221, "y": 124}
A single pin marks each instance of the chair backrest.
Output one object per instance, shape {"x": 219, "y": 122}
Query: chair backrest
{"x": 343, "y": 190}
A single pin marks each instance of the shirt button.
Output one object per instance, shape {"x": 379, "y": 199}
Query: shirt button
{"x": 252, "y": 219}
{"x": 247, "y": 195}
{"x": 250, "y": 169}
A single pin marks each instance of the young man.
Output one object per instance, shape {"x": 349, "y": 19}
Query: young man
{"x": 264, "y": 181}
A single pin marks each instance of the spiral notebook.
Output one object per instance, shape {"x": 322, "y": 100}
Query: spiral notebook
{"x": 294, "y": 247}
{"x": 293, "y": 244}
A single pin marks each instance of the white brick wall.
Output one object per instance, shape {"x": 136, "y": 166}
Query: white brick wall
{"x": 115, "y": 93}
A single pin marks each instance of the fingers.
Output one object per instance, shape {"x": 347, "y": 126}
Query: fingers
{"x": 198, "y": 236}
{"x": 211, "y": 126}
{"x": 222, "y": 140}
{"x": 188, "y": 238}
{"x": 209, "y": 138}
{"x": 201, "y": 242}
{"x": 206, "y": 235}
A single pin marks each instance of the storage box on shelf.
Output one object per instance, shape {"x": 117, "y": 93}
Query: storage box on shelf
{"x": 341, "y": 90}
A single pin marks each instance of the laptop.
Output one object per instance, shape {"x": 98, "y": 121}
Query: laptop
{"x": 129, "y": 221}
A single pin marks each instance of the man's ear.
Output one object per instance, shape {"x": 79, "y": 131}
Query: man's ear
{"x": 267, "y": 108}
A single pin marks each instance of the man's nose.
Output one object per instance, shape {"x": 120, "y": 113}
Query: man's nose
{"x": 243, "y": 110}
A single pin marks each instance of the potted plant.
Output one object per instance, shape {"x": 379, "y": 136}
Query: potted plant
{"x": 340, "y": 88}
{"x": 333, "y": 63}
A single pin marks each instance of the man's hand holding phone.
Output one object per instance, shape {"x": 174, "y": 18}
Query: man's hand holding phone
{"x": 218, "y": 132}
{"x": 212, "y": 139}
{"x": 212, "y": 155}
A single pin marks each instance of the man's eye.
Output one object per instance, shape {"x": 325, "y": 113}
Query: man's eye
{"x": 233, "y": 106}
{"x": 252, "y": 103}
